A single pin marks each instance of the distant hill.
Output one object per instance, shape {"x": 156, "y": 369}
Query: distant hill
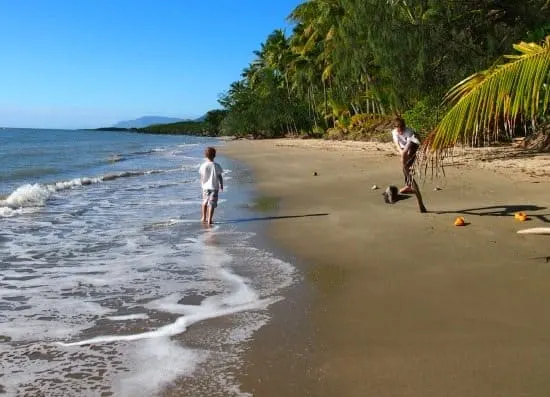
{"x": 146, "y": 121}
{"x": 206, "y": 125}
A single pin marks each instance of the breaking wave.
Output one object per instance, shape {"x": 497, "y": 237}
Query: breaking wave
{"x": 36, "y": 195}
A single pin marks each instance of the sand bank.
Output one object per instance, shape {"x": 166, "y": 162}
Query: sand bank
{"x": 398, "y": 303}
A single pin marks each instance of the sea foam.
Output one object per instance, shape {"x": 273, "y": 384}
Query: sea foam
{"x": 115, "y": 287}
{"x": 70, "y": 301}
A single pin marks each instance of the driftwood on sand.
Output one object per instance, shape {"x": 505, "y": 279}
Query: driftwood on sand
{"x": 535, "y": 230}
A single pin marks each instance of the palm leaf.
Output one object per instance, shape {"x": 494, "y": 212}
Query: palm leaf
{"x": 327, "y": 72}
{"x": 497, "y": 98}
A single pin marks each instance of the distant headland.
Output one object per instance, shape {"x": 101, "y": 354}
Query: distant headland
{"x": 207, "y": 125}
{"x": 146, "y": 121}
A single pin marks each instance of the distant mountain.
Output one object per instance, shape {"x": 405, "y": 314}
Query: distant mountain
{"x": 146, "y": 121}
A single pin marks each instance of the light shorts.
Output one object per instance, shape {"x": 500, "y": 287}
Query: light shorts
{"x": 210, "y": 197}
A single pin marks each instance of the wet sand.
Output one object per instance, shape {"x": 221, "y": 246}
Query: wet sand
{"x": 394, "y": 302}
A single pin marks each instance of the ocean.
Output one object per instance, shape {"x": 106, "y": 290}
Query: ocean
{"x": 109, "y": 284}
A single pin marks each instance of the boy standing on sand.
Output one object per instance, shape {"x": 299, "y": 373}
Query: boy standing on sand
{"x": 407, "y": 144}
{"x": 211, "y": 183}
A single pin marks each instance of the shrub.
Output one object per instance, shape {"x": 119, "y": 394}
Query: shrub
{"x": 424, "y": 116}
{"x": 364, "y": 127}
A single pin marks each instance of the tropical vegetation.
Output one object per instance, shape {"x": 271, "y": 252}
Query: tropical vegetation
{"x": 208, "y": 125}
{"x": 349, "y": 66}
{"x": 497, "y": 101}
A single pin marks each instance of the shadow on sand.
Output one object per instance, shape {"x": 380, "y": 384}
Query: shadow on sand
{"x": 502, "y": 210}
{"x": 402, "y": 197}
{"x": 269, "y": 218}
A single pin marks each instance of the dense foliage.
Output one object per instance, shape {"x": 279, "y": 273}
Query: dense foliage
{"x": 497, "y": 102}
{"x": 180, "y": 127}
{"x": 208, "y": 126}
{"x": 346, "y": 61}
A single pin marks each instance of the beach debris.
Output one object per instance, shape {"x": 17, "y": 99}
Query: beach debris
{"x": 374, "y": 187}
{"x": 536, "y": 230}
{"x": 460, "y": 221}
{"x": 521, "y": 216}
{"x": 315, "y": 173}
{"x": 437, "y": 188}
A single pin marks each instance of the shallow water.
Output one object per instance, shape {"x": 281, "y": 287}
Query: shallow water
{"x": 104, "y": 268}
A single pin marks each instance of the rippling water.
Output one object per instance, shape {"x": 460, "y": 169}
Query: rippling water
{"x": 103, "y": 268}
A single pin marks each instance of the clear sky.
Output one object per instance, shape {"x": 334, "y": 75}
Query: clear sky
{"x": 92, "y": 63}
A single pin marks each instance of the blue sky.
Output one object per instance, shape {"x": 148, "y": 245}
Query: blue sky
{"x": 92, "y": 63}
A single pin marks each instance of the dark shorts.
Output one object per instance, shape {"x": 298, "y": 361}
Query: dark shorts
{"x": 210, "y": 198}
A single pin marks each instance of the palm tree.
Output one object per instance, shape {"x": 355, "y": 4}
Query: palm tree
{"x": 492, "y": 102}
{"x": 302, "y": 70}
{"x": 313, "y": 39}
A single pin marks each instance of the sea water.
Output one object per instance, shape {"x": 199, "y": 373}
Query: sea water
{"x": 109, "y": 284}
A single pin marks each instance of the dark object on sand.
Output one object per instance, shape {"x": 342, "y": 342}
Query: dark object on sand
{"x": 391, "y": 194}
{"x": 315, "y": 173}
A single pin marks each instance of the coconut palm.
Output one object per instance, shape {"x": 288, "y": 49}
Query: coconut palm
{"x": 313, "y": 39}
{"x": 492, "y": 102}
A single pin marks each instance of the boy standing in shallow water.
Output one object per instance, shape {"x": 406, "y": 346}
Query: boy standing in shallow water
{"x": 211, "y": 183}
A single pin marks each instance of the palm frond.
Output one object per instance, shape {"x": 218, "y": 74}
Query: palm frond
{"x": 327, "y": 72}
{"x": 499, "y": 96}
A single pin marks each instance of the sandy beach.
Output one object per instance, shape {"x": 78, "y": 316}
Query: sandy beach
{"x": 398, "y": 303}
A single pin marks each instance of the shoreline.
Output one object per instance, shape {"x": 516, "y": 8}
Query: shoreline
{"x": 401, "y": 303}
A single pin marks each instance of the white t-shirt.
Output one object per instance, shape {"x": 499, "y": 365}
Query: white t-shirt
{"x": 211, "y": 173}
{"x": 404, "y": 138}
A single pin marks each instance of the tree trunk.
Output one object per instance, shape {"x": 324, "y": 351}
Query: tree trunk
{"x": 325, "y": 99}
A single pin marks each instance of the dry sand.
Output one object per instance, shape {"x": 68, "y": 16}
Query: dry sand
{"x": 398, "y": 303}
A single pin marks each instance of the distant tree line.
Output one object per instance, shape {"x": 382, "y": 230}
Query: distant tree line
{"x": 208, "y": 126}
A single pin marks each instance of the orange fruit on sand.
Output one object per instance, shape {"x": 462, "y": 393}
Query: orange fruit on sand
{"x": 520, "y": 216}
{"x": 459, "y": 221}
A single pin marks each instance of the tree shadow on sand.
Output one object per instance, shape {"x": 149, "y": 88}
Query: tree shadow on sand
{"x": 502, "y": 210}
{"x": 270, "y": 218}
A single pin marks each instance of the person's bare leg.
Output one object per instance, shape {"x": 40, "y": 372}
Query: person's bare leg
{"x": 210, "y": 214}
{"x": 408, "y": 160}
{"x": 406, "y": 173}
{"x": 204, "y": 209}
